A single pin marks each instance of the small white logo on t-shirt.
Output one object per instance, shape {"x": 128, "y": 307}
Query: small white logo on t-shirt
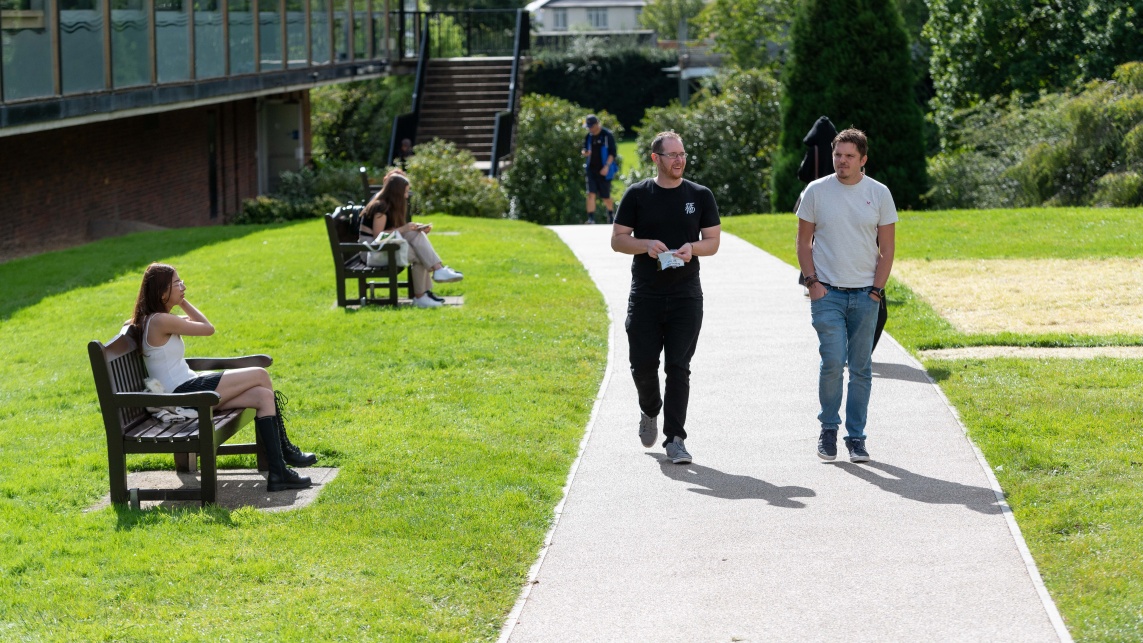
{"x": 690, "y": 209}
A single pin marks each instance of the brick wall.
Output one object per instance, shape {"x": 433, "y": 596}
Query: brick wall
{"x": 68, "y": 186}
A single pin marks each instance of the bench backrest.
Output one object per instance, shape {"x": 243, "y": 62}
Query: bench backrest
{"x": 118, "y": 368}
{"x": 341, "y": 224}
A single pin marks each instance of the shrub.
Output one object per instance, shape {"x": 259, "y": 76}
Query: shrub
{"x": 546, "y": 180}
{"x": 268, "y": 209}
{"x": 445, "y": 179}
{"x": 876, "y": 96}
{"x": 1119, "y": 190}
{"x": 352, "y": 121}
{"x": 730, "y": 132}
{"x": 622, "y": 81}
{"x": 1063, "y": 149}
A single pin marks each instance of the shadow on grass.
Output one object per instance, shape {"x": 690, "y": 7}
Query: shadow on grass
{"x": 128, "y": 518}
{"x": 730, "y": 486}
{"x": 935, "y": 491}
{"x": 25, "y": 282}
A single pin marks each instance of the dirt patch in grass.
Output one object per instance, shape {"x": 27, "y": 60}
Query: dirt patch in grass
{"x": 1035, "y": 352}
{"x": 1089, "y": 297}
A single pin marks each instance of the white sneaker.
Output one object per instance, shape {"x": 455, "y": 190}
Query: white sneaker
{"x": 446, "y": 275}
{"x": 424, "y": 301}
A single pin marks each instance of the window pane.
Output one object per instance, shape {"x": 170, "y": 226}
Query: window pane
{"x": 319, "y": 31}
{"x": 172, "y": 54}
{"x": 360, "y": 16}
{"x": 27, "y": 48}
{"x": 81, "y": 45}
{"x": 241, "y": 37}
{"x": 341, "y": 28}
{"x": 270, "y": 33}
{"x": 209, "y": 47}
{"x": 296, "y": 33}
{"x": 130, "y": 43}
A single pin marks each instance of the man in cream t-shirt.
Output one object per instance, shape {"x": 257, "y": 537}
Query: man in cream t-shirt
{"x": 845, "y": 250}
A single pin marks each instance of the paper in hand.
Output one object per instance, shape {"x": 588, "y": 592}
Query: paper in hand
{"x": 668, "y": 260}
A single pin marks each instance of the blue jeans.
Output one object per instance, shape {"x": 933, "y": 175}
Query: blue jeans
{"x": 845, "y": 321}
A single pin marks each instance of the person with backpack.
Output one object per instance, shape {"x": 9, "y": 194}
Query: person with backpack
{"x": 599, "y": 150}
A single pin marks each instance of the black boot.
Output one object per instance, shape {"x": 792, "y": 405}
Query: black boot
{"x": 280, "y": 477}
{"x": 295, "y": 457}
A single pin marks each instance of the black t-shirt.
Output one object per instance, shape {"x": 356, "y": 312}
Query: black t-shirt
{"x": 673, "y": 216}
{"x": 595, "y": 161}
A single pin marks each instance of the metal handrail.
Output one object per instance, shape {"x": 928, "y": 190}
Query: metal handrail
{"x": 506, "y": 120}
{"x": 405, "y": 125}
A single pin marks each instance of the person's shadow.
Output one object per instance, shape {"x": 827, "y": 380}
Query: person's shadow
{"x": 888, "y": 370}
{"x": 714, "y": 483}
{"x": 934, "y": 491}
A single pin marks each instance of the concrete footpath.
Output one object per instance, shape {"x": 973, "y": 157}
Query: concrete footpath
{"x": 759, "y": 540}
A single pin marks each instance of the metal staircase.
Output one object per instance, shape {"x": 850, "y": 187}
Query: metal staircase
{"x": 471, "y": 101}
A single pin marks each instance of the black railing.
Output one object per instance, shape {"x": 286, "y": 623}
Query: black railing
{"x": 405, "y": 125}
{"x": 454, "y": 34}
{"x": 506, "y": 120}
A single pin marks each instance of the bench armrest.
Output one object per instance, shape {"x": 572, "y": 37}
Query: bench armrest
{"x": 354, "y": 247}
{"x": 223, "y": 363}
{"x": 194, "y": 400}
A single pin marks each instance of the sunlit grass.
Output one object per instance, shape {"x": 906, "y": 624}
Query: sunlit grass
{"x": 454, "y": 430}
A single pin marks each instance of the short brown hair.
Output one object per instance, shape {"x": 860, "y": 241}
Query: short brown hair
{"x": 852, "y": 135}
{"x": 657, "y": 144}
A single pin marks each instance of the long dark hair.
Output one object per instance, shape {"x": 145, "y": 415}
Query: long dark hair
{"x": 390, "y": 201}
{"x": 156, "y": 282}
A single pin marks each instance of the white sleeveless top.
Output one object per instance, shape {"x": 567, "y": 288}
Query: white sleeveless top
{"x": 166, "y": 363}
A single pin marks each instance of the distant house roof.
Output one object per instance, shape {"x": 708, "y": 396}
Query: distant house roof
{"x": 536, "y": 5}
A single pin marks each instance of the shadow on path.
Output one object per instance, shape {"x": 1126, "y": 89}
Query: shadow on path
{"x": 887, "y": 371}
{"x": 715, "y": 483}
{"x": 934, "y": 491}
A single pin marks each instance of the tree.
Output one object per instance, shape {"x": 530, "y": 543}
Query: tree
{"x": 986, "y": 48}
{"x": 745, "y": 30}
{"x": 664, "y": 15}
{"x": 849, "y": 60}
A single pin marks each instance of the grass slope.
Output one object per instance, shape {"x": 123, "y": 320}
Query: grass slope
{"x": 1061, "y": 435}
{"x": 454, "y": 430}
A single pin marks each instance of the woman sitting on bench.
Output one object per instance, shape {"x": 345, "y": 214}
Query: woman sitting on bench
{"x": 387, "y": 211}
{"x": 239, "y": 388}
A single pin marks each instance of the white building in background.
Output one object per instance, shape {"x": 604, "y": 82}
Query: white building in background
{"x": 578, "y": 16}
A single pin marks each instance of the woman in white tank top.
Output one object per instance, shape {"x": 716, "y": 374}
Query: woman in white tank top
{"x": 239, "y": 388}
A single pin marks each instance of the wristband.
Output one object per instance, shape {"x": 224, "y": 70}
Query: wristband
{"x": 880, "y": 292}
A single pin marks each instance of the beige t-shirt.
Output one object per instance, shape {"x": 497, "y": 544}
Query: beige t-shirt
{"x": 846, "y": 218}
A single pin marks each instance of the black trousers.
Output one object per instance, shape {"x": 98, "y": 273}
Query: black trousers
{"x": 670, "y": 326}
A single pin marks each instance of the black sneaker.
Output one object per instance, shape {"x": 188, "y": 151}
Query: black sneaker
{"x": 827, "y": 444}
{"x": 432, "y": 295}
{"x": 857, "y": 452}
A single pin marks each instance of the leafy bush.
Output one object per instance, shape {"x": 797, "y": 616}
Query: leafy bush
{"x": 268, "y": 209}
{"x": 352, "y": 121}
{"x": 622, "y": 81}
{"x": 1064, "y": 149}
{"x": 546, "y": 180}
{"x": 730, "y": 131}
{"x": 445, "y": 179}
{"x": 983, "y": 144}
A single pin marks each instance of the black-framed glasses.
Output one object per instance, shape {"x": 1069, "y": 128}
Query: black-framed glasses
{"x": 673, "y": 155}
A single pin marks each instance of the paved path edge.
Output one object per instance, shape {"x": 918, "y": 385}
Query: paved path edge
{"x": 1001, "y": 499}
{"x": 534, "y": 572}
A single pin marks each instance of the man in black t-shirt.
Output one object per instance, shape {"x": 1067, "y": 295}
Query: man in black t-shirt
{"x": 667, "y": 222}
{"x": 599, "y": 149}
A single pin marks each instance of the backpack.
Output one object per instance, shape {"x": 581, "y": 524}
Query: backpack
{"x": 612, "y": 169}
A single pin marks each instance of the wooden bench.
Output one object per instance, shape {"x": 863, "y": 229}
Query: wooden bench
{"x": 348, "y": 265}
{"x": 119, "y": 372}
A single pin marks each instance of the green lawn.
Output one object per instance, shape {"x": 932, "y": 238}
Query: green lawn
{"x": 1063, "y": 436}
{"x": 454, "y": 430}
